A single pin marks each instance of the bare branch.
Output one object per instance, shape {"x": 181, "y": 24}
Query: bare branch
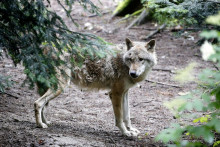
{"x": 171, "y": 85}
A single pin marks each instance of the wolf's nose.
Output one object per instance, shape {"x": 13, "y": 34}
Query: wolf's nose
{"x": 133, "y": 74}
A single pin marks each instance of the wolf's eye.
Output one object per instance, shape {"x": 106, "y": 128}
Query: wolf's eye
{"x": 141, "y": 59}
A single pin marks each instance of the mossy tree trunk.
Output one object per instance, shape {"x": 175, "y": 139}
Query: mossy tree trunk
{"x": 132, "y": 8}
{"x": 127, "y": 7}
{"x": 170, "y": 12}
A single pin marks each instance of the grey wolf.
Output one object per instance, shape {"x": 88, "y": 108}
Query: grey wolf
{"x": 117, "y": 73}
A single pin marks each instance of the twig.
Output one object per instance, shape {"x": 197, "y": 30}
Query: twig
{"x": 177, "y": 86}
{"x": 67, "y": 13}
{"x": 9, "y": 94}
{"x": 161, "y": 69}
{"x": 132, "y": 23}
{"x": 184, "y": 29}
{"x": 112, "y": 141}
{"x": 142, "y": 28}
{"x": 168, "y": 29}
{"x": 155, "y": 32}
{"x": 142, "y": 103}
{"x": 94, "y": 15}
{"x": 216, "y": 67}
{"x": 122, "y": 19}
{"x": 129, "y": 16}
{"x": 143, "y": 15}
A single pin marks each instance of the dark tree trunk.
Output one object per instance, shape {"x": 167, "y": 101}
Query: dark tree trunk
{"x": 127, "y": 7}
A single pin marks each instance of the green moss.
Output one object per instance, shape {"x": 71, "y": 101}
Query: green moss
{"x": 122, "y": 5}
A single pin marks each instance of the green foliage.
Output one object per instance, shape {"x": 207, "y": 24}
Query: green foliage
{"x": 4, "y": 83}
{"x": 216, "y": 144}
{"x": 184, "y": 12}
{"x": 185, "y": 75}
{"x": 203, "y": 119}
{"x": 214, "y": 20}
{"x": 205, "y": 99}
{"x": 25, "y": 27}
{"x": 173, "y": 133}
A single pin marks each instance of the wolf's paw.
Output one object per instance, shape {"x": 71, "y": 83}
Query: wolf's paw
{"x": 48, "y": 123}
{"x": 130, "y": 134}
{"x": 134, "y": 130}
{"x": 127, "y": 133}
{"x": 134, "y": 134}
{"x": 42, "y": 125}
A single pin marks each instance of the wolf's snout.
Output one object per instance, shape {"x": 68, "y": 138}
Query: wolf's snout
{"x": 133, "y": 74}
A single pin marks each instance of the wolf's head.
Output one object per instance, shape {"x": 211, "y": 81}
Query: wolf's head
{"x": 140, "y": 57}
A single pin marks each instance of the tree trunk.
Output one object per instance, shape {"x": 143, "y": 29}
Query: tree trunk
{"x": 127, "y": 7}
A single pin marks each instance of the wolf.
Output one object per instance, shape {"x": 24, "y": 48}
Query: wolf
{"x": 118, "y": 73}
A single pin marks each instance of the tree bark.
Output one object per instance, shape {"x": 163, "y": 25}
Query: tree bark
{"x": 127, "y": 7}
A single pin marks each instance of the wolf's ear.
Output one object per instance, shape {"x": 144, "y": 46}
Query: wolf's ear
{"x": 129, "y": 43}
{"x": 150, "y": 46}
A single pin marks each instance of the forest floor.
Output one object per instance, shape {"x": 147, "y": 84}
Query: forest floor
{"x": 85, "y": 118}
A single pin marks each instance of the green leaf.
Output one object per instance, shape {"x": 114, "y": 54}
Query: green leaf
{"x": 202, "y": 131}
{"x": 189, "y": 106}
{"x": 198, "y": 105}
{"x": 176, "y": 105}
{"x": 216, "y": 144}
{"x": 210, "y": 34}
{"x": 196, "y": 120}
{"x": 5, "y": 83}
{"x": 215, "y": 19}
{"x": 206, "y": 97}
{"x": 214, "y": 123}
{"x": 185, "y": 75}
{"x": 170, "y": 134}
{"x": 203, "y": 119}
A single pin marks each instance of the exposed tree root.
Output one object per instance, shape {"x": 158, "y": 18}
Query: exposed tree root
{"x": 9, "y": 94}
{"x": 171, "y": 85}
{"x": 165, "y": 70}
{"x": 154, "y": 32}
{"x": 139, "y": 19}
{"x": 103, "y": 13}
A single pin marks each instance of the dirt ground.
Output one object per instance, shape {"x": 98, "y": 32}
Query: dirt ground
{"x": 85, "y": 118}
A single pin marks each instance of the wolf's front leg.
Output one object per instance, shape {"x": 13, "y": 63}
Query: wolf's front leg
{"x": 126, "y": 115}
{"x": 116, "y": 96}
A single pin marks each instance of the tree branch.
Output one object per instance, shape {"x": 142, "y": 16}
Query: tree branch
{"x": 135, "y": 105}
{"x": 140, "y": 18}
{"x": 9, "y": 94}
{"x": 171, "y": 85}
{"x": 161, "y": 69}
{"x": 154, "y": 32}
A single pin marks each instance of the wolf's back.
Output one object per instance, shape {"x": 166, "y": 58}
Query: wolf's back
{"x": 100, "y": 74}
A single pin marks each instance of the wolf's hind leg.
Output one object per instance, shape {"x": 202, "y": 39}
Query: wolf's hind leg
{"x": 40, "y": 103}
{"x": 126, "y": 116}
{"x": 44, "y": 119}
